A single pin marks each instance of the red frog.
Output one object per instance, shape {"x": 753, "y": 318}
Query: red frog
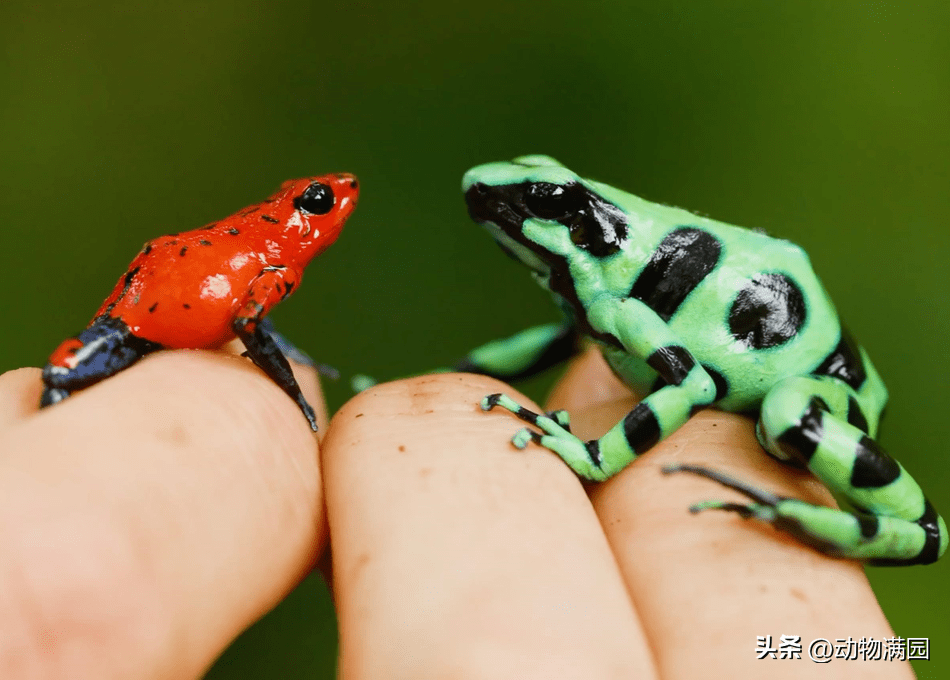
{"x": 200, "y": 289}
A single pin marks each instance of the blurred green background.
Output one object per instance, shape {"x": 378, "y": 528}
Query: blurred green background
{"x": 825, "y": 123}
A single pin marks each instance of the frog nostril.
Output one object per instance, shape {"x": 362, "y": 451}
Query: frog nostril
{"x": 353, "y": 183}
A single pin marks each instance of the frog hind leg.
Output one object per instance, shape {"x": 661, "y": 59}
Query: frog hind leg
{"x": 263, "y": 350}
{"x": 805, "y": 420}
{"x": 103, "y": 349}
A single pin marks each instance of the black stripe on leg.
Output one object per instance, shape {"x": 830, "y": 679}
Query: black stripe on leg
{"x": 719, "y": 380}
{"x": 593, "y": 450}
{"x": 869, "y": 525}
{"x": 931, "y": 550}
{"x": 673, "y": 362}
{"x": 856, "y": 415}
{"x": 930, "y": 553}
{"x": 844, "y": 363}
{"x": 800, "y": 441}
{"x": 641, "y": 428}
{"x": 526, "y": 415}
{"x": 873, "y": 468}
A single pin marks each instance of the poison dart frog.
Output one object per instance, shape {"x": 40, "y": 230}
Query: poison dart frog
{"x": 200, "y": 289}
{"x": 695, "y": 313}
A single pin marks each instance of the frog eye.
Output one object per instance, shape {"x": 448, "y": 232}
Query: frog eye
{"x": 318, "y": 199}
{"x": 551, "y": 201}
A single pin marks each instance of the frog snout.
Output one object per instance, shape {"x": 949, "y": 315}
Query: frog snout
{"x": 477, "y": 200}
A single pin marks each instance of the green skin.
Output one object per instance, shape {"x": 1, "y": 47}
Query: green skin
{"x": 668, "y": 314}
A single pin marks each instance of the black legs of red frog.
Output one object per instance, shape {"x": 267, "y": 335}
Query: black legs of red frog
{"x": 107, "y": 346}
{"x": 264, "y": 351}
{"x": 102, "y": 350}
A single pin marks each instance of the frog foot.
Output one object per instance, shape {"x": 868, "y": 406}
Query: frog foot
{"x": 555, "y": 436}
{"x": 834, "y": 532}
{"x": 762, "y": 499}
{"x": 362, "y": 382}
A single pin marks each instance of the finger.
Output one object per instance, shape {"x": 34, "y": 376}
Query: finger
{"x": 150, "y": 518}
{"x": 19, "y": 395}
{"x": 588, "y": 381}
{"x": 731, "y": 580}
{"x": 455, "y": 553}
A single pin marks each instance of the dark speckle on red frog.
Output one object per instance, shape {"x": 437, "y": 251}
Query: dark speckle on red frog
{"x": 200, "y": 289}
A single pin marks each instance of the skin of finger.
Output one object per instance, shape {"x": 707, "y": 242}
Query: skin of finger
{"x": 456, "y": 555}
{"x": 19, "y": 395}
{"x": 705, "y": 586}
{"x": 149, "y": 519}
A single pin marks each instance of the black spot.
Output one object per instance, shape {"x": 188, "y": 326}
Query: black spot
{"x": 768, "y": 312}
{"x": 844, "y": 363}
{"x": 856, "y": 415}
{"x": 184, "y": 249}
{"x": 318, "y": 199}
{"x": 209, "y": 226}
{"x": 873, "y": 468}
{"x": 148, "y": 249}
{"x": 354, "y": 184}
{"x": 233, "y": 231}
{"x": 173, "y": 242}
{"x": 641, "y": 428}
{"x": 129, "y": 275}
{"x": 152, "y": 308}
{"x": 673, "y": 363}
{"x": 268, "y": 218}
{"x": 800, "y": 441}
{"x": 289, "y": 286}
{"x": 679, "y": 264}
{"x": 204, "y": 242}
{"x": 186, "y": 305}
{"x": 249, "y": 211}
{"x": 719, "y": 380}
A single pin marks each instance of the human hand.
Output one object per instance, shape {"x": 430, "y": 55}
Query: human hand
{"x": 147, "y": 523}
{"x": 148, "y": 520}
{"x": 456, "y": 555}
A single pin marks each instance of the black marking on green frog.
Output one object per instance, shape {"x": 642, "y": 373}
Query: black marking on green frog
{"x": 768, "y": 311}
{"x": 680, "y": 262}
{"x": 699, "y": 313}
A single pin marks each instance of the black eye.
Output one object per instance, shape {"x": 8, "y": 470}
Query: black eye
{"x": 550, "y": 201}
{"x": 317, "y": 199}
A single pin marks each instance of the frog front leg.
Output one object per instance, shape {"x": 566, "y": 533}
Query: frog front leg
{"x": 631, "y": 325}
{"x": 524, "y": 354}
{"x": 103, "y": 349}
{"x": 805, "y": 420}
{"x": 517, "y": 357}
{"x": 272, "y": 285}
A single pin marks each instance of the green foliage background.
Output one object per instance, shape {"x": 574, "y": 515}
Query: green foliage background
{"x": 825, "y": 123}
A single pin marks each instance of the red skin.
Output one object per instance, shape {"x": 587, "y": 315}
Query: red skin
{"x": 186, "y": 290}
